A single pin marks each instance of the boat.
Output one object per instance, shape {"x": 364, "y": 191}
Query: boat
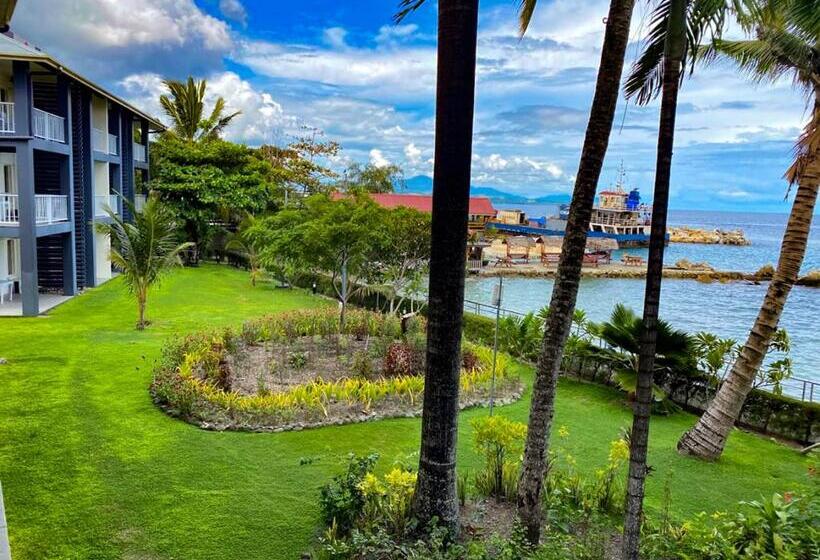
{"x": 619, "y": 215}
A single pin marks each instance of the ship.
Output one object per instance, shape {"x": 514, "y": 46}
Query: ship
{"x": 619, "y": 215}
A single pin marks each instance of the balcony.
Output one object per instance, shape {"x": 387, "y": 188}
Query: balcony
{"x": 48, "y": 126}
{"x": 102, "y": 203}
{"x": 139, "y": 152}
{"x": 103, "y": 142}
{"x": 6, "y": 117}
{"x": 139, "y": 202}
{"x": 48, "y": 209}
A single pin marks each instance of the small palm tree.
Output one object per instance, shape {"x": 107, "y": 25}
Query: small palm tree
{"x": 787, "y": 44}
{"x": 185, "y": 106}
{"x": 143, "y": 250}
{"x": 245, "y": 242}
{"x": 622, "y": 334}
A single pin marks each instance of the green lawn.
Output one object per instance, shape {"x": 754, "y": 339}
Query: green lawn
{"x": 91, "y": 469}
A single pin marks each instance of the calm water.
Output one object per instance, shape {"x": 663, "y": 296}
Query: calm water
{"x": 728, "y": 310}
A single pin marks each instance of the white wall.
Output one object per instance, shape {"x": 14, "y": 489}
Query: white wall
{"x": 99, "y": 113}
{"x": 101, "y": 178}
{"x": 102, "y": 258}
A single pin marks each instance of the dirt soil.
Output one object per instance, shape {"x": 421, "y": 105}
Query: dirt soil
{"x": 279, "y": 367}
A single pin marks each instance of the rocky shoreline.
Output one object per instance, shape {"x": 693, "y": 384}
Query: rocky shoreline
{"x": 682, "y": 270}
{"x": 707, "y": 237}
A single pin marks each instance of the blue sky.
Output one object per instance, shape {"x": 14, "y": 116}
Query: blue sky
{"x": 343, "y": 68}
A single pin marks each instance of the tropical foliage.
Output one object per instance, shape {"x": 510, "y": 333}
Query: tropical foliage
{"x": 184, "y": 104}
{"x": 143, "y": 249}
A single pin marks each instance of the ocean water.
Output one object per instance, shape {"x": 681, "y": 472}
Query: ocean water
{"x": 728, "y": 310}
{"x": 764, "y": 230}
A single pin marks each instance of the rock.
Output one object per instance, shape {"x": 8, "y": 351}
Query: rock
{"x": 707, "y": 237}
{"x": 3, "y": 361}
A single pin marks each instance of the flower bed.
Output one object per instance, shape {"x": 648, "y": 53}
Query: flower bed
{"x": 299, "y": 370}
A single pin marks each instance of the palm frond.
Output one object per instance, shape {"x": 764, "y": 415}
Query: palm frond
{"x": 406, "y": 7}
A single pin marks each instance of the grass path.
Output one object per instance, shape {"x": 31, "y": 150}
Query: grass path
{"x": 91, "y": 469}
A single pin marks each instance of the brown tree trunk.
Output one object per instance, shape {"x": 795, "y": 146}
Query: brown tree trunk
{"x": 435, "y": 495}
{"x": 639, "y": 438}
{"x": 708, "y": 437}
{"x": 565, "y": 290}
{"x": 141, "y": 302}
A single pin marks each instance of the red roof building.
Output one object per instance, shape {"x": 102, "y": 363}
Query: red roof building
{"x": 481, "y": 208}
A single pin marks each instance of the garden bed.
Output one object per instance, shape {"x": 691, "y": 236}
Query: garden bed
{"x": 301, "y": 370}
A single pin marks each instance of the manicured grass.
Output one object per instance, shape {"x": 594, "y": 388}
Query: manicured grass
{"x": 92, "y": 469}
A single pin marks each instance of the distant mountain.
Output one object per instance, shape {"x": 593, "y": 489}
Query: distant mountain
{"x": 422, "y": 184}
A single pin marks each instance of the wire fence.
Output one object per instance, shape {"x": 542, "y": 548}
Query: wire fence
{"x": 805, "y": 390}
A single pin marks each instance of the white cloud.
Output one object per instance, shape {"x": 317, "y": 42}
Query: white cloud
{"x": 377, "y": 158}
{"x": 335, "y": 37}
{"x": 262, "y": 120}
{"x": 234, "y": 10}
{"x": 393, "y": 33}
{"x": 412, "y": 153}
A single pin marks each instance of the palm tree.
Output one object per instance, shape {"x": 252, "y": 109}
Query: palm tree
{"x": 674, "y": 34}
{"x": 143, "y": 250}
{"x": 185, "y": 106}
{"x": 622, "y": 334}
{"x": 244, "y": 241}
{"x": 568, "y": 276}
{"x": 435, "y": 495}
{"x": 787, "y": 43}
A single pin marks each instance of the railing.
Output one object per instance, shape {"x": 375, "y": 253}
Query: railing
{"x": 99, "y": 142}
{"x": 9, "y": 209}
{"x": 139, "y": 202}
{"x": 113, "y": 145}
{"x": 48, "y": 126}
{"x": 804, "y": 390}
{"x": 102, "y": 203}
{"x": 50, "y": 208}
{"x": 6, "y": 117}
{"x": 140, "y": 152}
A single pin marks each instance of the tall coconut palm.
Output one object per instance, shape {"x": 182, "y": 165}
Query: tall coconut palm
{"x": 144, "y": 249}
{"x": 185, "y": 106}
{"x": 787, "y": 43}
{"x": 565, "y": 290}
{"x": 675, "y": 32}
{"x": 435, "y": 495}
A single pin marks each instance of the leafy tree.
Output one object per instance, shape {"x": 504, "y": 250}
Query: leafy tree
{"x": 786, "y": 43}
{"x": 143, "y": 249}
{"x": 298, "y": 166}
{"x": 373, "y": 179}
{"x": 336, "y": 237}
{"x": 404, "y": 253}
{"x": 208, "y": 182}
{"x": 435, "y": 496}
{"x": 185, "y": 106}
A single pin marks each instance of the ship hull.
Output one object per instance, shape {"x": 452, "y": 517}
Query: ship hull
{"x": 624, "y": 239}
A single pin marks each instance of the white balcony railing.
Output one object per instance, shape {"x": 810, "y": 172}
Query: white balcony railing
{"x": 139, "y": 202}
{"x": 48, "y": 208}
{"x": 48, "y": 126}
{"x": 6, "y": 117}
{"x": 9, "y": 209}
{"x": 140, "y": 152}
{"x": 104, "y": 142}
{"x": 113, "y": 145}
{"x": 102, "y": 203}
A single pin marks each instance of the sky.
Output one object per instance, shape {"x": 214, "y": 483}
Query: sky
{"x": 344, "y": 70}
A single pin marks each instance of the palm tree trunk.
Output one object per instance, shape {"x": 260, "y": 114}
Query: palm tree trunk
{"x": 639, "y": 438}
{"x": 141, "y": 302}
{"x": 568, "y": 276}
{"x": 708, "y": 437}
{"x": 435, "y": 494}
